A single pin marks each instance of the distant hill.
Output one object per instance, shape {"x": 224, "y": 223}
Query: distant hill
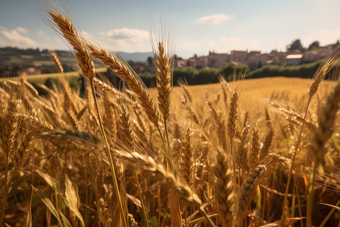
{"x": 137, "y": 56}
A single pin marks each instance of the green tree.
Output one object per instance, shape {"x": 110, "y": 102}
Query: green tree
{"x": 178, "y": 58}
{"x": 295, "y": 45}
{"x": 314, "y": 46}
{"x": 149, "y": 60}
{"x": 259, "y": 65}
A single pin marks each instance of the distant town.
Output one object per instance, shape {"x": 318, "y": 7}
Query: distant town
{"x": 13, "y": 61}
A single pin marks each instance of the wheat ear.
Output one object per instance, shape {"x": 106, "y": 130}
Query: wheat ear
{"x": 35, "y": 122}
{"x": 322, "y": 71}
{"x": 104, "y": 214}
{"x": 25, "y": 149}
{"x": 10, "y": 125}
{"x": 247, "y": 190}
{"x": 232, "y": 120}
{"x": 150, "y": 167}
{"x": 255, "y": 149}
{"x": 63, "y": 25}
{"x": 130, "y": 77}
{"x": 127, "y": 135}
{"x": 164, "y": 80}
{"x": 71, "y": 116}
{"x": 187, "y": 159}
{"x": 266, "y": 144}
{"x": 28, "y": 86}
{"x": 191, "y": 110}
{"x": 242, "y": 153}
{"x": 110, "y": 116}
{"x": 57, "y": 62}
{"x": 326, "y": 120}
{"x": 187, "y": 92}
{"x": 224, "y": 189}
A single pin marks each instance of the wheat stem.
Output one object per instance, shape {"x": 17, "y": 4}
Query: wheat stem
{"x": 107, "y": 146}
{"x": 291, "y": 167}
{"x": 310, "y": 198}
{"x": 141, "y": 200}
{"x": 5, "y": 193}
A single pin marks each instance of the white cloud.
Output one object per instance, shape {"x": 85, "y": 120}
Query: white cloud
{"x": 213, "y": 19}
{"x": 3, "y": 28}
{"x": 211, "y": 42}
{"x": 231, "y": 41}
{"x": 235, "y": 40}
{"x": 21, "y": 30}
{"x": 189, "y": 44}
{"x": 254, "y": 42}
{"x": 126, "y": 39}
{"x": 127, "y": 34}
{"x": 16, "y": 38}
{"x": 41, "y": 32}
{"x": 323, "y": 36}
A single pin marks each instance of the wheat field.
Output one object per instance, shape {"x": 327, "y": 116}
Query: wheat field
{"x": 261, "y": 152}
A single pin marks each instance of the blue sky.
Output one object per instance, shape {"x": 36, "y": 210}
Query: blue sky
{"x": 200, "y": 26}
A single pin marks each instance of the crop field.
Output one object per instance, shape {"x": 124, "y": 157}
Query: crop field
{"x": 257, "y": 152}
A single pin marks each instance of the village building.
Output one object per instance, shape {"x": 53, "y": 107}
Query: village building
{"x": 199, "y": 63}
{"x": 32, "y": 71}
{"x": 180, "y": 63}
{"x": 238, "y": 55}
{"x": 217, "y": 59}
{"x": 293, "y": 59}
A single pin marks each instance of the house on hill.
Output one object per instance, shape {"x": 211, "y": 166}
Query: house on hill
{"x": 179, "y": 63}
{"x": 238, "y": 55}
{"x": 293, "y": 59}
{"x": 199, "y": 62}
{"x": 217, "y": 59}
